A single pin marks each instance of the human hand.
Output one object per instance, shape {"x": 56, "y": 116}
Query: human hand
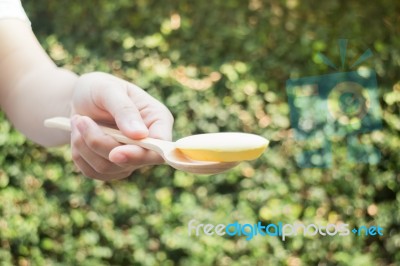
{"x": 110, "y": 100}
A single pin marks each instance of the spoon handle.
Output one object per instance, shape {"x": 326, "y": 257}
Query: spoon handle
{"x": 156, "y": 145}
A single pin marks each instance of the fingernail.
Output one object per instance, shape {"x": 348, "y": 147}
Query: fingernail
{"x": 119, "y": 158}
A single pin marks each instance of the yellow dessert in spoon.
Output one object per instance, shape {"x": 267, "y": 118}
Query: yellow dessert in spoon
{"x": 222, "y": 147}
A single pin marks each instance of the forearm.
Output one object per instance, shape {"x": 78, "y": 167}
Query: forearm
{"x": 32, "y": 88}
{"x": 39, "y": 95}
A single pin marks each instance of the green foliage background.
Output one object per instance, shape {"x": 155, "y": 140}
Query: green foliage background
{"x": 219, "y": 66}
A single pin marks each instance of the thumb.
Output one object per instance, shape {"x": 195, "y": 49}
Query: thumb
{"x": 125, "y": 113}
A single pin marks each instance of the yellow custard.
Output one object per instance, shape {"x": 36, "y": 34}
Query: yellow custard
{"x": 222, "y": 147}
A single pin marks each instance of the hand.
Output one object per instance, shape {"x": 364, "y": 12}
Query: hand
{"x": 108, "y": 99}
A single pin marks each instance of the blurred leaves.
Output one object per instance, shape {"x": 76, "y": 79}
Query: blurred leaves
{"x": 219, "y": 66}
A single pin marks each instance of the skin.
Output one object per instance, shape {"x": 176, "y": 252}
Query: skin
{"x": 33, "y": 88}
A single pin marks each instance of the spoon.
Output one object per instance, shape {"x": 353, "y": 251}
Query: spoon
{"x": 166, "y": 149}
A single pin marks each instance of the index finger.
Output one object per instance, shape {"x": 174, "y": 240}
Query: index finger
{"x": 126, "y": 115}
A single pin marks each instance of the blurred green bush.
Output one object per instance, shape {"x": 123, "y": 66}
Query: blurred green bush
{"x": 218, "y": 66}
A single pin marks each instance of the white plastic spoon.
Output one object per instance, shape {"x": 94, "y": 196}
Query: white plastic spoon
{"x": 174, "y": 153}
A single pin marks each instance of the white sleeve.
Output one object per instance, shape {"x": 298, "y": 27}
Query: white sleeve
{"x": 13, "y": 9}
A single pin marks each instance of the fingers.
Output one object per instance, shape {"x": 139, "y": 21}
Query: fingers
{"x": 126, "y": 114}
{"x": 161, "y": 128}
{"x": 89, "y": 149}
{"x": 90, "y": 156}
{"x": 99, "y": 156}
{"x": 158, "y": 118}
{"x": 89, "y": 171}
{"x": 136, "y": 113}
{"x": 94, "y": 137}
{"x": 131, "y": 153}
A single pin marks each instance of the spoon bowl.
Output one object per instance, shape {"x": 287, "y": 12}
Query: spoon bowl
{"x": 166, "y": 149}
